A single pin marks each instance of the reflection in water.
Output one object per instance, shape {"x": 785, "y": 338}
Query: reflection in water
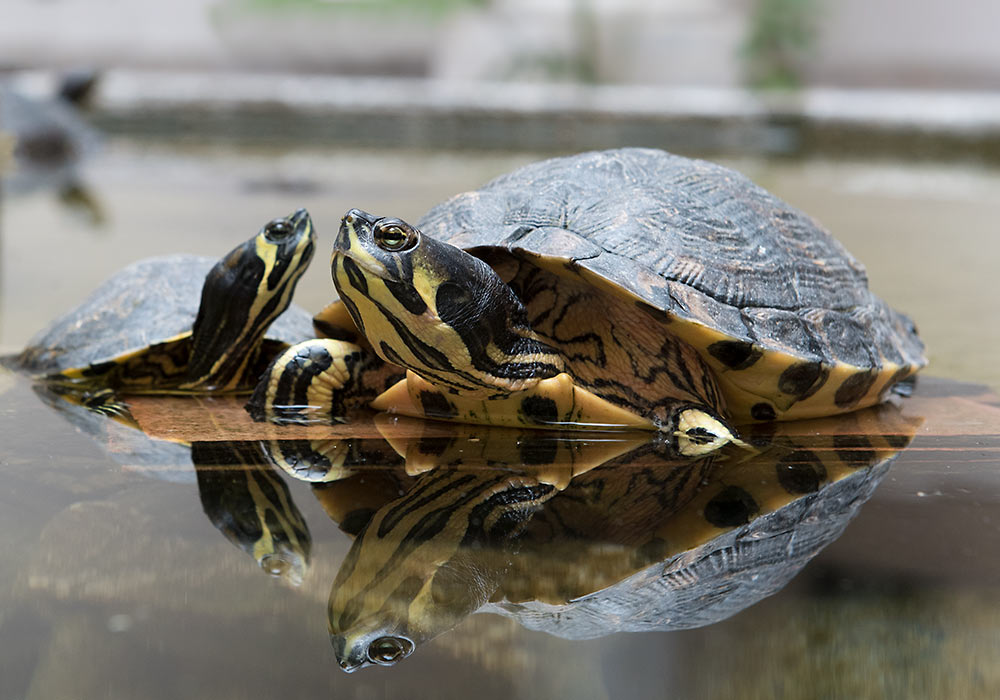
{"x": 248, "y": 502}
{"x": 578, "y": 535}
{"x": 47, "y": 139}
{"x": 752, "y": 525}
{"x": 242, "y": 495}
{"x": 597, "y": 538}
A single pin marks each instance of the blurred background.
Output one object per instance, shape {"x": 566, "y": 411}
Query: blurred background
{"x": 131, "y": 128}
{"x": 720, "y": 43}
{"x": 139, "y": 128}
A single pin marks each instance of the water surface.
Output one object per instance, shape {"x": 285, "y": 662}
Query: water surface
{"x": 118, "y": 578}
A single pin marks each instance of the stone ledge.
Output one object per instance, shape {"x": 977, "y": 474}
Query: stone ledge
{"x": 443, "y": 114}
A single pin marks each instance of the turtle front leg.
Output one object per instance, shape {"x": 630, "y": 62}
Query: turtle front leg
{"x": 319, "y": 381}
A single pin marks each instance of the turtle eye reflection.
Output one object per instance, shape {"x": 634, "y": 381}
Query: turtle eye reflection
{"x": 278, "y": 230}
{"x": 393, "y": 237}
{"x": 386, "y": 651}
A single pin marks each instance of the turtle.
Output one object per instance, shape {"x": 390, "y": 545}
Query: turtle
{"x": 623, "y": 289}
{"x": 661, "y": 544}
{"x": 183, "y": 324}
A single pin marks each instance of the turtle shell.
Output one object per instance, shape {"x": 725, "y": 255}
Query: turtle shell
{"x": 145, "y": 303}
{"x": 776, "y": 307}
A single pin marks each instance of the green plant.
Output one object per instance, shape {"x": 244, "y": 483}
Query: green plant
{"x": 780, "y": 40}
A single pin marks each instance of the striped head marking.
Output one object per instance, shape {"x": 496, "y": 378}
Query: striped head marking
{"x": 435, "y": 309}
{"x": 426, "y": 561}
{"x": 243, "y": 294}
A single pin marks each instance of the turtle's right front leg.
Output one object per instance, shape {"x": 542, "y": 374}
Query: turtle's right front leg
{"x": 319, "y": 381}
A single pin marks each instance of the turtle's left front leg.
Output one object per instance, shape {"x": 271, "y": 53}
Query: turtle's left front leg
{"x": 319, "y": 381}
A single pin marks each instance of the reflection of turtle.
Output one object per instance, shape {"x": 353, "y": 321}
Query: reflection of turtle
{"x": 48, "y": 135}
{"x": 638, "y": 543}
{"x": 586, "y": 567}
{"x": 250, "y": 504}
{"x": 432, "y": 550}
{"x": 46, "y": 140}
{"x": 626, "y": 288}
{"x": 144, "y": 331}
{"x": 241, "y": 493}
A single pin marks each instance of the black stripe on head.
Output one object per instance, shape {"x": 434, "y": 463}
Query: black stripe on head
{"x": 355, "y": 275}
{"x": 504, "y": 514}
{"x": 283, "y": 260}
{"x": 407, "y": 296}
{"x": 425, "y": 354}
{"x": 431, "y": 490}
{"x": 352, "y": 309}
{"x": 243, "y": 353}
{"x": 435, "y": 377}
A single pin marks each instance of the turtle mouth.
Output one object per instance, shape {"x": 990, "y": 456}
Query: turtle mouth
{"x": 300, "y": 221}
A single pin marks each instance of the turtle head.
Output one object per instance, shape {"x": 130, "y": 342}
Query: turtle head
{"x": 433, "y": 308}
{"x": 426, "y": 561}
{"x": 405, "y": 581}
{"x": 245, "y": 291}
{"x": 377, "y": 645}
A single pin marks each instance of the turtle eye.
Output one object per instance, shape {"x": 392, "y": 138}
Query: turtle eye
{"x": 278, "y": 230}
{"x": 386, "y": 651}
{"x": 394, "y": 237}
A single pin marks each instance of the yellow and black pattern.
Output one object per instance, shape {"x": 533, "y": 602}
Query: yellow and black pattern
{"x": 700, "y": 530}
{"x": 776, "y": 306}
{"x": 674, "y": 290}
{"x": 241, "y": 296}
{"x": 488, "y": 358}
{"x": 319, "y": 381}
{"x": 618, "y": 354}
{"x": 772, "y": 377}
{"x": 324, "y": 461}
{"x": 250, "y": 504}
{"x": 438, "y": 311}
{"x": 246, "y": 292}
{"x": 383, "y": 603}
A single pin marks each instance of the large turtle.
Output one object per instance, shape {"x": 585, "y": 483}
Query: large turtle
{"x": 183, "y": 323}
{"x": 627, "y": 288}
{"x": 658, "y": 544}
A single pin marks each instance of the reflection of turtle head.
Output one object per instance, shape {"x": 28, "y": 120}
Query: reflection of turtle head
{"x": 425, "y": 562}
{"x": 250, "y": 504}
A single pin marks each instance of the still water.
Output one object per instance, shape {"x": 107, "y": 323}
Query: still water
{"x": 207, "y": 557}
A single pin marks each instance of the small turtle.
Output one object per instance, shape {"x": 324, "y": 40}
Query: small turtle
{"x": 622, "y": 289}
{"x": 145, "y": 331}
